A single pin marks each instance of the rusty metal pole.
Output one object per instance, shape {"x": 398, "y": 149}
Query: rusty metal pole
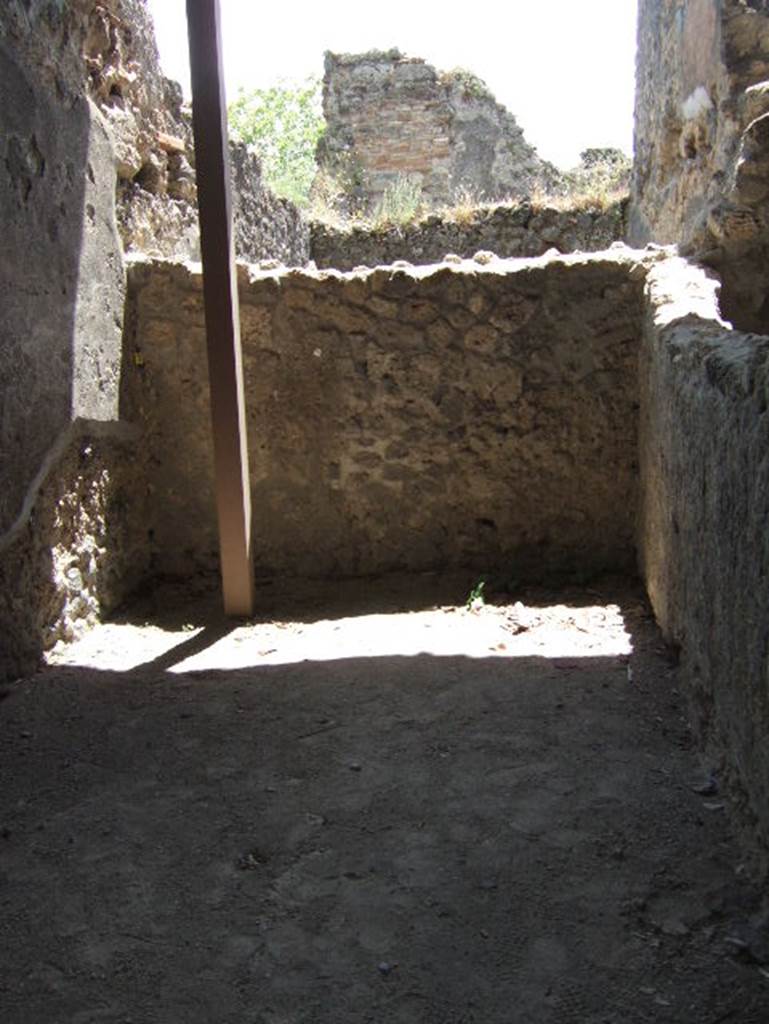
{"x": 225, "y": 368}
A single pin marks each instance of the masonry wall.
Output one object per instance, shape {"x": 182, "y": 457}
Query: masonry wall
{"x": 473, "y": 415}
{"x": 389, "y": 115}
{"x": 94, "y": 153}
{"x": 508, "y": 231}
{"x": 700, "y": 176}
{"x": 60, "y": 263}
{"x": 704, "y": 546}
{"x": 151, "y": 129}
{"x": 63, "y": 286}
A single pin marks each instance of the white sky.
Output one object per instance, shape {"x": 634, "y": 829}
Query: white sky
{"x": 564, "y": 68}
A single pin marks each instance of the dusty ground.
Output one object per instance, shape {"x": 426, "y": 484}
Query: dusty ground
{"x": 438, "y": 816}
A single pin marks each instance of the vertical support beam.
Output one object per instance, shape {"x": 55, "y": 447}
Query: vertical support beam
{"x": 225, "y": 369}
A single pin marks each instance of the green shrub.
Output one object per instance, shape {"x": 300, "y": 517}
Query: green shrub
{"x": 283, "y": 123}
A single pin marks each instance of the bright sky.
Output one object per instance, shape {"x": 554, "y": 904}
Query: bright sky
{"x": 564, "y": 68}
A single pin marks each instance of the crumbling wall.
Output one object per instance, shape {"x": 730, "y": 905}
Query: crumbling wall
{"x": 152, "y": 129}
{"x": 702, "y": 142}
{"x": 478, "y": 414}
{"x": 388, "y": 115}
{"x": 704, "y": 546}
{"x": 77, "y": 554}
{"x": 509, "y": 231}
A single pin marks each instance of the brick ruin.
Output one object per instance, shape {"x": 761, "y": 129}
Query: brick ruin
{"x": 566, "y": 412}
{"x": 389, "y": 116}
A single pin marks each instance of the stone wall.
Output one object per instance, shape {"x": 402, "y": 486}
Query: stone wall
{"x": 85, "y": 114}
{"x": 508, "y": 231}
{"x": 78, "y": 553}
{"x": 402, "y": 419}
{"x": 63, "y": 286}
{"x": 152, "y": 129}
{"x": 702, "y": 142}
{"x": 704, "y": 546}
{"x": 388, "y": 115}
{"x": 61, "y": 273}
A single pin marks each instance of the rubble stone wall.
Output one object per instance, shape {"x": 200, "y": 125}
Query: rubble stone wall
{"x": 78, "y": 553}
{"x": 402, "y": 419}
{"x": 704, "y": 546}
{"x": 155, "y": 158}
{"x": 507, "y": 231}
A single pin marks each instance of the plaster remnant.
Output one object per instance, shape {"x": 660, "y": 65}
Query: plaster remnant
{"x": 696, "y": 103}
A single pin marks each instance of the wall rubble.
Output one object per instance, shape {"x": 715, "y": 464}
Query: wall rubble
{"x": 703, "y": 543}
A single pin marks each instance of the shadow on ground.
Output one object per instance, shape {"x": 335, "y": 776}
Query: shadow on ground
{"x": 405, "y": 839}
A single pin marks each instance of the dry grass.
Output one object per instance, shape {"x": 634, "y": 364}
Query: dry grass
{"x": 596, "y": 199}
{"x": 466, "y": 205}
{"x": 596, "y": 186}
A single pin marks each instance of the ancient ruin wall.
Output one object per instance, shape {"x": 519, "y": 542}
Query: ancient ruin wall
{"x": 508, "y": 231}
{"x": 152, "y": 130}
{"x": 402, "y": 419}
{"x": 79, "y": 553}
{"x": 702, "y": 141}
{"x": 61, "y": 273}
{"x": 704, "y": 546}
{"x": 63, "y": 287}
{"x": 85, "y": 109}
{"x": 388, "y": 115}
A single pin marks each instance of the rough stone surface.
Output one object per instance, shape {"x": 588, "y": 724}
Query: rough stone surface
{"x": 107, "y": 51}
{"x": 403, "y": 418}
{"x": 63, "y": 287}
{"x": 266, "y": 227}
{"x": 702, "y": 142}
{"x": 508, "y": 231}
{"x": 155, "y": 157}
{"x": 61, "y": 273}
{"x": 389, "y": 115}
{"x": 85, "y": 109}
{"x": 77, "y": 554}
{"x": 703, "y": 542}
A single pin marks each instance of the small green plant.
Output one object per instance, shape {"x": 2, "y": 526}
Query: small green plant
{"x": 337, "y": 195}
{"x": 401, "y": 203}
{"x": 475, "y": 598}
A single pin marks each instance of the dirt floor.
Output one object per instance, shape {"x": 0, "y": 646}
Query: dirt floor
{"x": 441, "y": 815}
